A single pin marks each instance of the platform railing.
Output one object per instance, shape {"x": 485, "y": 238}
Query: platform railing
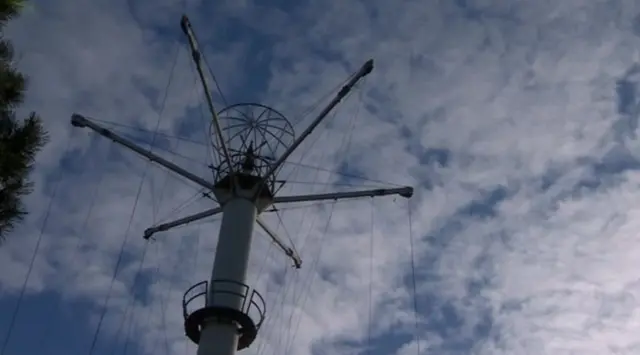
{"x": 205, "y": 294}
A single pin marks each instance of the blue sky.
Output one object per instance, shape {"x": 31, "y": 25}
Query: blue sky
{"x": 515, "y": 121}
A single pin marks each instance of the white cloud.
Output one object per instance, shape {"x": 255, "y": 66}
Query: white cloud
{"x": 518, "y": 95}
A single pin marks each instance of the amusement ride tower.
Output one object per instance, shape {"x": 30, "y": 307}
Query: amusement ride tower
{"x": 251, "y": 147}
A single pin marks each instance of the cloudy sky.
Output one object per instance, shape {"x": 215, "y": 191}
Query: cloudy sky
{"x": 516, "y": 121}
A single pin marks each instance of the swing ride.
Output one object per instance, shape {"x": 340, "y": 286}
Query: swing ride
{"x": 251, "y": 143}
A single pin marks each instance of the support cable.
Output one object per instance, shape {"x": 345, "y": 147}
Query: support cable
{"x": 168, "y": 150}
{"x": 81, "y": 235}
{"x": 278, "y": 313}
{"x": 213, "y": 77}
{"x": 140, "y": 129}
{"x": 157, "y": 270}
{"x": 286, "y": 232}
{"x": 279, "y": 309}
{"x": 132, "y": 320}
{"x": 34, "y": 256}
{"x": 167, "y": 173}
{"x": 194, "y": 270}
{"x": 413, "y": 280}
{"x": 173, "y": 283}
{"x": 279, "y": 299}
{"x": 323, "y": 98}
{"x": 130, "y": 304}
{"x": 281, "y": 295}
{"x": 352, "y": 176}
{"x": 371, "y": 241}
{"x": 138, "y": 272}
{"x": 207, "y": 144}
{"x": 198, "y": 194}
{"x": 103, "y": 311}
{"x": 344, "y": 147}
{"x": 311, "y": 279}
{"x": 297, "y": 298}
{"x": 285, "y": 290}
{"x": 193, "y": 198}
{"x": 297, "y": 294}
{"x": 334, "y": 113}
{"x": 130, "y": 309}
{"x": 135, "y": 205}
{"x": 318, "y": 136}
{"x": 354, "y": 119}
{"x": 315, "y": 180}
{"x": 267, "y": 254}
{"x": 158, "y": 256}
{"x": 164, "y": 298}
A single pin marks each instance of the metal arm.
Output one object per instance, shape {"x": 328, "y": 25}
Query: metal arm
{"x": 80, "y": 121}
{"x": 179, "y": 222}
{"x": 406, "y": 192}
{"x": 364, "y": 71}
{"x": 297, "y": 262}
{"x": 195, "y": 53}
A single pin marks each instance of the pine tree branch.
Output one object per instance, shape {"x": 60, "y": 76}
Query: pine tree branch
{"x": 9, "y": 9}
{"x": 20, "y": 139}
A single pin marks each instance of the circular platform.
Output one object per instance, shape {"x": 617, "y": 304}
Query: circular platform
{"x": 201, "y": 293}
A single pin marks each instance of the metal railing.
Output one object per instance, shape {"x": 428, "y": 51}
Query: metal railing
{"x": 207, "y": 297}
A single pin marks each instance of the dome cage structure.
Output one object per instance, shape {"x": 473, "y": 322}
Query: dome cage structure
{"x": 255, "y": 136}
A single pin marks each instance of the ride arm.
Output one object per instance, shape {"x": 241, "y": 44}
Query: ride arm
{"x": 290, "y": 252}
{"x": 196, "y": 55}
{"x": 179, "y": 222}
{"x": 406, "y": 192}
{"x": 364, "y": 71}
{"x": 78, "y": 120}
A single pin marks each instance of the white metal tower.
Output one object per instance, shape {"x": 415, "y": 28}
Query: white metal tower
{"x": 244, "y": 186}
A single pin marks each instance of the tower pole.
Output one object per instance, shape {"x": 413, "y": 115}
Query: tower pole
{"x": 219, "y": 336}
{"x": 227, "y": 296}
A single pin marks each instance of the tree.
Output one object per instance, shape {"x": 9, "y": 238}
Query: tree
{"x": 20, "y": 139}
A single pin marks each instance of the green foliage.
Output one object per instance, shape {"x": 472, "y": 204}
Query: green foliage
{"x": 20, "y": 139}
{"x": 9, "y": 9}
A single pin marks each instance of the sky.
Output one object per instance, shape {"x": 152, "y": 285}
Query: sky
{"x": 515, "y": 121}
